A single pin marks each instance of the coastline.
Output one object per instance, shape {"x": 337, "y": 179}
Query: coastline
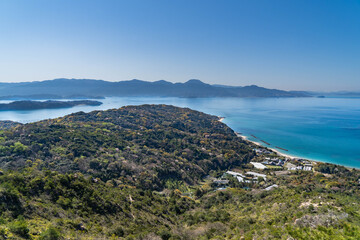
{"x": 286, "y": 155}
{"x": 272, "y": 149}
{"x": 293, "y": 157}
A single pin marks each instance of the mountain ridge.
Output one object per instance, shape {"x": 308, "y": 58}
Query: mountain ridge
{"x": 91, "y": 88}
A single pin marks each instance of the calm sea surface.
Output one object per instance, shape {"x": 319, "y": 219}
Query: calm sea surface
{"x": 323, "y": 129}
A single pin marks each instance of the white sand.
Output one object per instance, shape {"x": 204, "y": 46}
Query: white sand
{"x": 274, "y": 150}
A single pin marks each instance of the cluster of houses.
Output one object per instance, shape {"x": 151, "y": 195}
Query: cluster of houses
{"x": 268, "y": 161}
{"x": 274, "y": 161}
{"x": 303, "y": 166}
{"x": 261, "y": 151}
{"x": 247, "y": 177}
{"x": 289, "y": 164}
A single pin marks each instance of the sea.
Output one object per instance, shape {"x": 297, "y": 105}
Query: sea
{"x": 321, "y": 129}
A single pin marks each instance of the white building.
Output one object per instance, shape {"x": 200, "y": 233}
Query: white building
{"x": 257, "y": 175}
{"x": 271, "y": 187}
{"x": 239, "y": 176}
{"x": 258, "y": 165}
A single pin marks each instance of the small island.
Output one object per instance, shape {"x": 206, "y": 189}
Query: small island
{"x": 35, "y": 105}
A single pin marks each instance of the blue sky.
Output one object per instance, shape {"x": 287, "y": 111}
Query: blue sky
{"x": 295, "y": 45}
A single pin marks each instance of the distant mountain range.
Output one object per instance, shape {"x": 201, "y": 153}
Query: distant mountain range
{"x": 89, "y": 88}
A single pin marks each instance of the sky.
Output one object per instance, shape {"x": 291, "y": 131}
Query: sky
{"x": 291, "y": 45}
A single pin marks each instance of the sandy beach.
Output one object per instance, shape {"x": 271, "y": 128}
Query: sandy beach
{"x": 272, "y": 149}
{"x": 221, "y": 119}
{"x": 289, "y": 156}
{"x": 284, "y": 154}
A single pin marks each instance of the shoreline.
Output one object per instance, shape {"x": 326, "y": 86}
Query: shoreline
{"x": 293, "y": 157}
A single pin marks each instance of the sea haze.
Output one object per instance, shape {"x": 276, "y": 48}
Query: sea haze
{"x": 324, "y": 129}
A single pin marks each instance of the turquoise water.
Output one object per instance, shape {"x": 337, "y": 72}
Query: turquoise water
{"x": 323, "y": 129}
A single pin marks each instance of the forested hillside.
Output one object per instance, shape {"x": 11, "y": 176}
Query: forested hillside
{"x": 143, "y": 146}
{"x": 152, "y": 172}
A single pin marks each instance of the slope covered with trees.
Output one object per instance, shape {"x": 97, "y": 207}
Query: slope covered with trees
{"x": 138, "y": 173}
{"x": 143, "y": 146}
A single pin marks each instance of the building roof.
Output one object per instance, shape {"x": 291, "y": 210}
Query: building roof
{"x": 271, "y": 187}
{"x": 256, "y": 174}
{"x": 234, "y": 173}
{"x": 258, "y": 165}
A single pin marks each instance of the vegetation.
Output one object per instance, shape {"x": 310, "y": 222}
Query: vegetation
{"x": 138, "y": 173}
{"x": 8, "y": 124}
{"x": 32, "y": 105}
{"x": 142, "y": 146}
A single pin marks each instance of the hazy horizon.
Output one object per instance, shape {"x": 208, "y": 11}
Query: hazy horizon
{"x": 324, "y": 91}
{"x": 288, "y": 45}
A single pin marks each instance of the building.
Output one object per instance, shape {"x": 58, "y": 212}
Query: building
{"x": 258, "y": 165}
{"x": 271, "y": 187}
{"x": 256, "y": 175}
{"x": 308, "y": 167}
{"x": 261, "y": 151}
{"x": 220, "y": 182}
{"x": 241, "y": 178}
{"x": 291, "y": 166}
{"x": 234, "y": 174}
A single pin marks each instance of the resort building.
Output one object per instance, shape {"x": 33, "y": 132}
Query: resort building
{"x": 247, "y": 177}
{"x": 258, "y": 165}
{"x": 271, "y": 187}
{"x": 256, "y": 175}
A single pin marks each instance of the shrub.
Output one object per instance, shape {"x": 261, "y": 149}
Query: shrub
{"x": 51, "y": 233}
{"x": 20, "y": 228}
{"x": 119, "y": 232}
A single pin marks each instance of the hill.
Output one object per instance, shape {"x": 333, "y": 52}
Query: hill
{"x": 158, "y": 172}
{"x": 82, "y": 88}
{"x": 144, "y": 146}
